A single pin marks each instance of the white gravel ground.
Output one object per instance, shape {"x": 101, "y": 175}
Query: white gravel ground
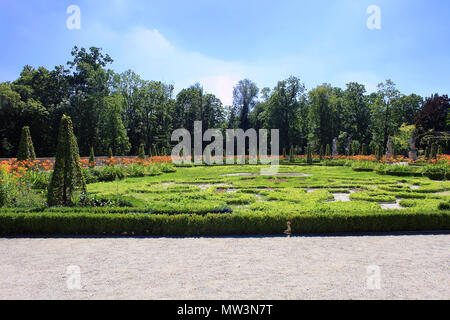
{"x": 411, "y": 267}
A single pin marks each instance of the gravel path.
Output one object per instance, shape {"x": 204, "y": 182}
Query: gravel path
{"x": 411, "y": 267}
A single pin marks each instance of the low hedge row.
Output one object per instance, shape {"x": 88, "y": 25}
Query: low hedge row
{"x": 47, "y": 224}
{"x": 200, "y": 208}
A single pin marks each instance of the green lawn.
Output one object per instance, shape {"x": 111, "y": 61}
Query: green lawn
{"x": 198, "y": 188}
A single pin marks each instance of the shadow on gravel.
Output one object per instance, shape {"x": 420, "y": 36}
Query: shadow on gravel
{"x": 329, "y": 235}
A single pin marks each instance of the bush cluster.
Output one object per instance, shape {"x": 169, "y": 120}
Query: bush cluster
{"x": 60, "y": 223}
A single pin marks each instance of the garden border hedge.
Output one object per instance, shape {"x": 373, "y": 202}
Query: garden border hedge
{"x": 72, "y": 224}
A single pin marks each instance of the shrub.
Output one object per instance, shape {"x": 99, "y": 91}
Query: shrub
{"x": 364, "y": 149}
{"x": 395, "y": 170}
{"x": 428, "y": 152}
{"x": 444, "y": 206}
{"x": 355, "y": 147}
{"x": 141, "y": 152}
{"x": 67, "y": 176}
{"x": 363, "y": 166}
{"x": 26, "y": 149}
{"x": 38, "y": 179}
{"x": 135, "y": 170}
{"x": 335, "y": 163}
{"x": 92, "y": 159}
{"x": 379, "y": 152}
{"x": 108, "y": 173}
{"x": 89, "y": 176}
{"x": 8, "y": 188}
{"x": 440, "y": 150}
{"x": 373, "y": 197}
{"x": 167, "y": 167}
{"x": 291, "y": 155}
{"x": 67, "y": 223}
{"x": 87, "y": 200}
{"x": 328, "y": 151}
{"x": 437, "y": 171}
{"x": 434, "y": 151}
{"x": 309, "y": 158}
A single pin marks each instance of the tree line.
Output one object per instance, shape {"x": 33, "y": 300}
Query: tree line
{"x": 124, "y": 113}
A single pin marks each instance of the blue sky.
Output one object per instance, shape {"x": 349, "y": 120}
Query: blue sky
{"x": 219, "y": 42}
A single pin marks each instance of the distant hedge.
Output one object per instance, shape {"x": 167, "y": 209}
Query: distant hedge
{"x": 48, "y": 224}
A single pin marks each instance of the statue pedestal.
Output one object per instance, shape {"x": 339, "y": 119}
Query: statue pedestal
{"x": 413, "y": 155}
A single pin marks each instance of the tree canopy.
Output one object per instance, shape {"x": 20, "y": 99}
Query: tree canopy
{"x": 121, "y": 112}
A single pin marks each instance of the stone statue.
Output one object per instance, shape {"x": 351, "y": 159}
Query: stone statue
{"x": 389, "y": 153}
{"x": 412, "y": 146}
{"x": 335, "y": 150}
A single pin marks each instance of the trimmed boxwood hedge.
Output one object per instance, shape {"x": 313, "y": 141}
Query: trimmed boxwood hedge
{"x": 48, "y": 224}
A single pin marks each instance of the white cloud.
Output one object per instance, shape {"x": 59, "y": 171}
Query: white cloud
{"x": 152, "y": 56}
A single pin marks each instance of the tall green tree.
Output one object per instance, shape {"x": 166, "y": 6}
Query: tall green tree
{"x": 26, "y": 148}
{"x": 283, "y": 111}
{"x": 324, "y": 111}
{"x": 355, "y": 113}
{"x": 90, "y": 83}
{"x": 383, "y": 109}
{"x": 67, "y": 177}
{"x": 112, "y": 132}
{"x": 245, "y": 96}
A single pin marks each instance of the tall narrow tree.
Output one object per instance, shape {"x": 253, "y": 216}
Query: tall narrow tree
{"x": 92, "y": 158}
{"x": 26, "y": 149}
{"x": 67, "y": 177}
{"x": 244, "y": 98}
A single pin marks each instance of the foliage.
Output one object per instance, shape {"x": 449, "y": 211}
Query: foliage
{"x": 309, "y": 158}
{"x": 67, "y": 177}
{"x": 26, "y": 149}
{"x": 92, "y": 158}
{"x": 216, "y": 224}
{"x": 328, "y": 151}
{"x": 141, "y": 152}
{"x": 378, "y": 152}
{"x": 122, "y": 111}
{"x": 437, "y": 171}
{"x": 291, "y": 155}
{"x": 364, "y": 150}
{"x": 397, "y": 170}
{"x": 400, "y": 141}
{"x": 363, "y": 166}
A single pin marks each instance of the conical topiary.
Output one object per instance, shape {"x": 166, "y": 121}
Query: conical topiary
{"x": 291, "y": 155}
{"x": 328, "y": 151}
{"x": 434, "y": 151}
{"x": 378, "y": 152}
{"x": 364, "y": 149}
{"x": 92, "y": 158}
{"x": 67, "y": 176}
{"x": 440, "y": 150}
{"x": 309, "y": 158}
{"x": 26, "y": 149}
{"x": 321, "y": 153}
{"x": 427, "y": 152}
{"x": 110, "y": 153}
{"x": 141, "y": 152}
